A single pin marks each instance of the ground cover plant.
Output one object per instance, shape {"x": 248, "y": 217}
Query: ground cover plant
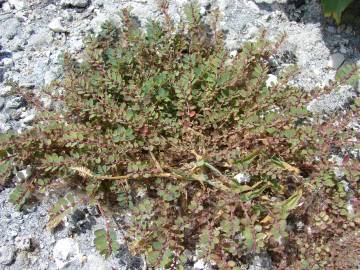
{"x": 195, "y": 148}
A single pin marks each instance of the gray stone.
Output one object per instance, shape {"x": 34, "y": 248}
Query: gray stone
{"x": 22, "y": 260}
{"x": 270, "y": 1}
{"x": 16, "y": 215}
{"x": 14, "y": 103}
{"x": 76, "y": 45}
{"x": 4, "y": 125}
{"x": 27, "y": 117}
{"x": 13, "y": 234}
{"x": 101, "y": 18}
{"x": 336, "y": 60}
{"x": 50, "y": 76}
{"x": 95, "y": 262}
{"x": 75, "y": 3}
{"x": 4, "y": 90}
{"x": 17, "y": 44}
{"x": 8, "y": 62}
{"x": 201, "y": 265}
{"x": 11, "y": 29}
{"x": 23, "y": 175}
{"x": 98, "y": 21}
{"x": 41, "y": 38}
{"x": 333, "y": 101}
{"x": 17, "y": 4}
{"x": 56, "y": 26}
{"x": 349, "y": 30}
{"x": 6, "y": 7}
{"x": 67, "y": 16}
{"x": 7, "y": 254}
{"x": 65, "y": 252}
{"x": 23, "y": 243}
{"x": 261, "y": 261}
{"x": 2, "y": 103}
{"x": 331, "y": 29}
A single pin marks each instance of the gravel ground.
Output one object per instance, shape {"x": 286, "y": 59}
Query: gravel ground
{"x": 34, "y": 33}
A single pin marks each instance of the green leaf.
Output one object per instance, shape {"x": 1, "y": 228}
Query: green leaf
{"x": 192, "y": 12}
{"x": 249, "y": 238}
{"x": 19, "y": 196}
{"x": 349, "y": 74}
{"x": 335, "y": 8}
{"x": 153, "y": 257}
{"x": 106, "y": 241}
{"x": 250, "y": 158}
{"x": 248, "y": 196}
{"x": 60, "y": 210}
{"x": 329, "y": 180}
{"x": 290, "y": 203}
{"x": 166, "y": 258}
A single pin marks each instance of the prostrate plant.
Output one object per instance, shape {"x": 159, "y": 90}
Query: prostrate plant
{"x": 163, "y": 124}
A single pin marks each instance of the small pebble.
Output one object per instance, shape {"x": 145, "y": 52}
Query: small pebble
{"x": 23, "y": 243}
{"x": 56, "y": 26}
{"x": 336, "y": 60}
{"x": 7, "y": 254}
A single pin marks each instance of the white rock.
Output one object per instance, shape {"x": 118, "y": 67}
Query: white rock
{"x": 270, "y": 1}
{"x": 17, "y": 4}
{"x": 336, "y": 60}
{"x": 7, "y": 255}
{"x": 56, "y": 25}
{"x": 13, "y": 234}
{"x": 350, "y": 208}
{"x": 46, "y": 102}
{"x": 23, "y": 175}
{"x": 100, "y": 19}
{"x": 67, "y": 16}
{"x": 338, "y": 161}
{"x": 242, "y": 178}
{"x": 23, "y": 243}
{"x": 65, "y": 251}
{"x": 199, "y": 265}
{"x": 202, "y": 265}
{"x": 51, "y": 75}
{"x": 42, "y": 37}
{"x": 5, "y": 90}
{"x": 202, "y": 11}
{"x": 76, "y": 45}
{"x": 8, "y": 62}
{"x": 21, "y": 15}
{"x": 346, "y": 185}
{"x": 12, "y": 28}
{"x": 233, "y": 53}
{"x": 75, "y": 3}
{"x": 6, "y": 7}
{"x": 261, "y": 261}
{"x": 95, "y": 262}
{"x": 271, "y": 80}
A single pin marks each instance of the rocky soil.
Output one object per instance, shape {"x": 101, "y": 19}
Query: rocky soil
{"x": 35, "y": 33}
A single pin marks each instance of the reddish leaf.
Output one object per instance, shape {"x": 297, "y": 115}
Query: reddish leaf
{"x": 192, "y": 113}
